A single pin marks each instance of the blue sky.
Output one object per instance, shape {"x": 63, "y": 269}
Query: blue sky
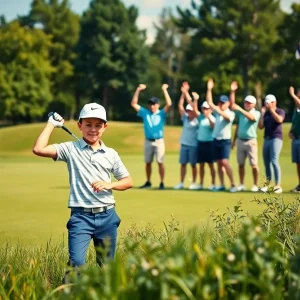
{"x": 149, "y": 10}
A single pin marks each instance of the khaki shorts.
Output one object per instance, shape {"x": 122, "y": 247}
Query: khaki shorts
{"x": 247, "y": 148}
{"x": 156, "y": 148}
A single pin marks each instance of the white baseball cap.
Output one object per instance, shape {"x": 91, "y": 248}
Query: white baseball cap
{"x": 270, "y": 98}
{"x": 205, "y": 104}
{"x": 250, "y": 99}
{"x": 189, "y": 107}
{"x": 93, "y": 110}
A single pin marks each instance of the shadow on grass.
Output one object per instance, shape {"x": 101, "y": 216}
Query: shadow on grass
{"x": 208, "y": 190}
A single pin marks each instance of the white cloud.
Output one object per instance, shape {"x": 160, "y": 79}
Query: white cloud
{"x": 146, "y": 22}
{"x": 286, "y": 4}
{"x": 146, "y": 4}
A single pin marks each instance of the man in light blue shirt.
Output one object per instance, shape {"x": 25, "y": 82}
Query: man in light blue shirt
{"x": 222, "y": 136}
{"x": 246, "y": 136}
{"x": 154, "y": 122}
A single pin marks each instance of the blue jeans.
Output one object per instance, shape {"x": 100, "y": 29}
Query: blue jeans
{"x": 271, "y": 151}
{"x": 101, "y": 227}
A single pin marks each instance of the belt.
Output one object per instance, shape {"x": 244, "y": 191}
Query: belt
{"x": 153, "y": 140}
{"x": 245, "y": 140}
{"x": 94, "y": 210}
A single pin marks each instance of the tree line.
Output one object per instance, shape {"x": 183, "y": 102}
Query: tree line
{"x": 54, "y": 59}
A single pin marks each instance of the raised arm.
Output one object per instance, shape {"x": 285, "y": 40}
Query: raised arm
{"x": 261, "y": 124}
{"x": 181, "y": 105}
{"x": 209, "y": 98}
{"x": 185, "y": 90}
{"x": 294, "y": 96}
{"x": 233, "y": 87}
{"x": 41, "y": 147}
{"x": 195, "y": 103}
{"x": 135, "y": 98}
{"x": 168, "y": 105}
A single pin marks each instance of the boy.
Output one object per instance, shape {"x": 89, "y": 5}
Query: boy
{"x": 246, "y": 136}
{"x": 222, "y": 136}
{"x": 154, "y": 122}
{"x": 90, "y": 164}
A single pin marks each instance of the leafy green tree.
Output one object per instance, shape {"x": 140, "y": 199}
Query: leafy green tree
{"x": 232, "y": 39}
{"x": 112, "y": 55}
{"x": 288, "y": 71}
{"x": 25, "y": 72}
{"x": 58, "y": 21}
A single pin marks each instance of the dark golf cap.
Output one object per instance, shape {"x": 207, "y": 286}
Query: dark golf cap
{"x": 153, "y": 100}
{"x": 224, "y": 98}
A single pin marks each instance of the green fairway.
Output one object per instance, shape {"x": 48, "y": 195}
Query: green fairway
{"x": 34, "y": 190}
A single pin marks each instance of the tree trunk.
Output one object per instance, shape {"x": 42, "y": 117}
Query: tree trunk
{"x": 246, "y": 79}
{"x": 77, "y": 104}
{"x": 258, "y": 94}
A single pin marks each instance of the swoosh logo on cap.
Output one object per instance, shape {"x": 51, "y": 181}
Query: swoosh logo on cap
{"x": 93, "y": 108}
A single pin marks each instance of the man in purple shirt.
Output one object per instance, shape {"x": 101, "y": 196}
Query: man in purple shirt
{"x": 271, "y": 120}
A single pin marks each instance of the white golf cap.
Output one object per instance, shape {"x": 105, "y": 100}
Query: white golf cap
{"x": 250, "y": 99}
{"x": 93, "y": 110}
{"x": 189, "y": 107}
{"x": 205, "y": 105}
{"x": 270, "y": 98}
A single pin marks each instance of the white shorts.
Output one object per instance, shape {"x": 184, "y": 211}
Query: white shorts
{"x": 157, "y": 148}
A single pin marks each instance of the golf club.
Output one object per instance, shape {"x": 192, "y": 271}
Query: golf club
{"x": 64, "y": 127}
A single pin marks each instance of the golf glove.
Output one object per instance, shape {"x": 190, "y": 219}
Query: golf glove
{"x": 56, "y": 120}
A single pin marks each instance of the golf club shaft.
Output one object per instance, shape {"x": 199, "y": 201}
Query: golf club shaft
{"x": 69, "y": 132}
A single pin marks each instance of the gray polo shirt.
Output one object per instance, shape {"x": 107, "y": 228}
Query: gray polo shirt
{"x": 222, "y": 128}
{"x": 86, "y": 166}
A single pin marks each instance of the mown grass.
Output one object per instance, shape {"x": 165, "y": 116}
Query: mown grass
{"x": 158, "y": 256}
{"x": 34, "y": 190}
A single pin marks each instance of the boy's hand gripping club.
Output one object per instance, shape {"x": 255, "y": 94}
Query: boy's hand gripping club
{"x": 57, "y": 123}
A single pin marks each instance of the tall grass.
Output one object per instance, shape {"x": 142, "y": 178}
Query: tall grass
{"x": 239, "y": 257}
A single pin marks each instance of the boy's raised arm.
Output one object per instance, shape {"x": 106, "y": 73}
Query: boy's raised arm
{"x": 135, "y": 98}
{"x": 233, "y": 88}
{"x": 181, "y": 104}
{"x": 41, "y": 147}
{"x": 209, "y": 98}
{"x": 168, "y": 105}
{"x": 195, "y": 103}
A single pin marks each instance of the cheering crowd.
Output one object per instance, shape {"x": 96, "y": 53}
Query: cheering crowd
{"x": 206, "y": 137}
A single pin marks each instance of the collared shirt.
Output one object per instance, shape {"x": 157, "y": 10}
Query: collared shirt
{"x": 272, "y": 128}
{"x": 247, "y": 128}
{"x": 189, "y": 131}
{"x": 86, "y": 166}
{"x": 205, "y": 131}
{"x": 222, "y": 128}
{"x": 153, "y": 123}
